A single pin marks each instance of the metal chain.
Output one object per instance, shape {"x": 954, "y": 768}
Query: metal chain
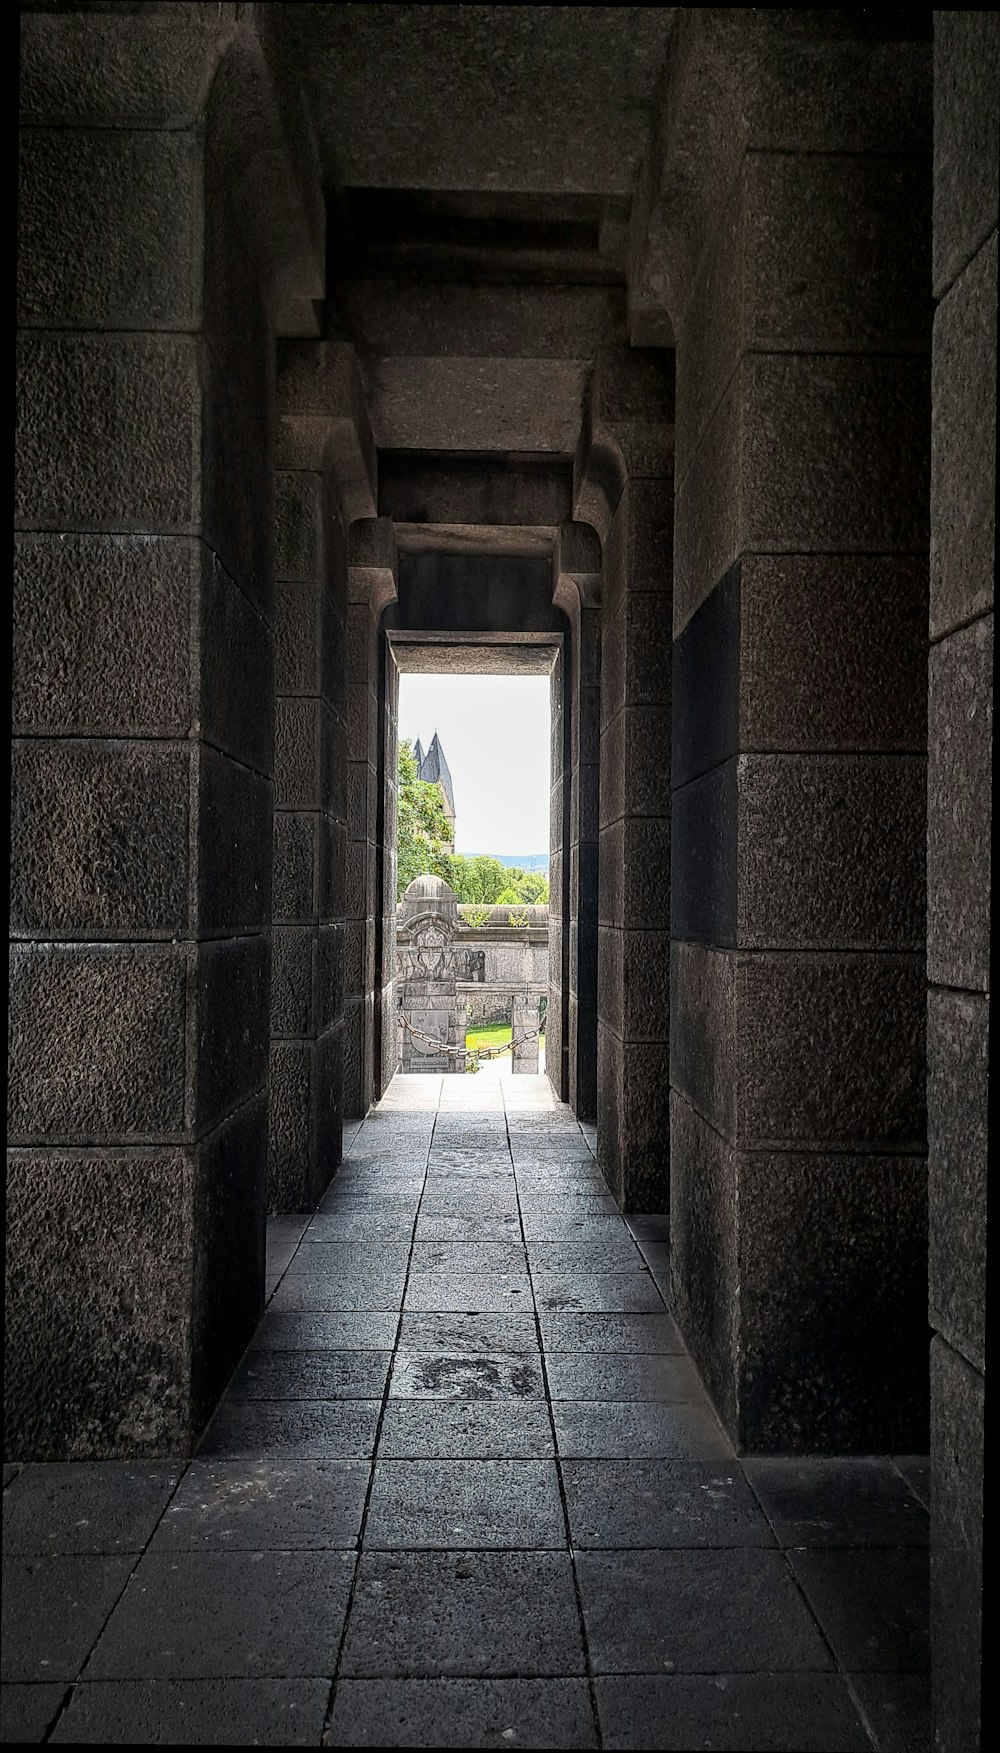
{"x": 470, "y": 1052}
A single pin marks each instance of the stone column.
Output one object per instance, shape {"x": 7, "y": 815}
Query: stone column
{"x": 623, "y": 486}
{"x": 560, "y": 907}
{"x": 963, "y": 487}
{"x": 371, "y": 585}
{"x": 798, "y": 1191}
{"x": 524, "y": 1037}
{"x": 578, "y": 593}
{"x": 143, "y": 690}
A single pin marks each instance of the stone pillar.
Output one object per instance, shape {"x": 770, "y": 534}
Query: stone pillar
{"x": 429, "y": 1000}
{"x": 371, "y": 585}
{"x": 578, "y": 594}
{"x": 560, "y": 906}
{"x": 963, "y": 485}
{"x": 524, "y": 1032}
{"x": 385, "y": 1053}
{"x": 798, "y": 1190}
{"x": 143, "y": 690}
{"x": 623, "y": 486}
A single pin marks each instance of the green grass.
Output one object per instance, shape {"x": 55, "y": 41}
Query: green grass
{"x": 494, "y": 1035}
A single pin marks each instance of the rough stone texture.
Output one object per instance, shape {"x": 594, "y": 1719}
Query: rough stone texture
{"x": 704, "y": 1253}
{"x": 265, "y": 1713}
{"x": 957, "y": 1096}
{"x": 99, "y": 840}
{"x": 96, "y": 72}
{"x": 98, "y": 1315}
{"x": 966, "y": 138}
{"x": 98, "y": 1047}
{"x": 959, "y": 807}
{"x": 963, "y": 447}
{"x": 957, "y": 1410}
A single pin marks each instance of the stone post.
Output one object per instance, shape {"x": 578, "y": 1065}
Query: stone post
{"x": 143, "y": 694}
{"x": 798, "y": 1188}
{"x": 960, "y": 711}
{"x": 623, "y": 485}
{"x": 429, "y": 1001}
{"x": 524, "y": 1037}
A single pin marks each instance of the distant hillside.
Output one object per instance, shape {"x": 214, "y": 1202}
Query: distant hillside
{"x": 519, "y": 860}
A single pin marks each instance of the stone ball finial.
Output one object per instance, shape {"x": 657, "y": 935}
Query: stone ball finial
{"x": 429, "y": 897}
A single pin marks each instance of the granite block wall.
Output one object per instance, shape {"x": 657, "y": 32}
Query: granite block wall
{"x": 798, "y": 1203}
{"x": 143, "y": 745}
{"x": 578, "y": 592}
{"x": 960, "y": 707}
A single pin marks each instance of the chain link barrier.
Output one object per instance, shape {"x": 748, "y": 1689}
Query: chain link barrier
{"x": 474, "y": 1053}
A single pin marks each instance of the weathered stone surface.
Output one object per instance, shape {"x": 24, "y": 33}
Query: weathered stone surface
{"x": 234, "y": 846}
{"x": 960, "y": 739}
{"x": 99, "y": 839}
{"x": 237, "y": 662}
{"x": 108, "y": 432}
{"x": 237, "y": 485}
{"x": 287, "y": 1713}
{"x": 703, "y": 1032}
{"x": 227, "y": 1297}
{"x": 831, "y": 1051}
{"x": 295, "y": 860}
{"x": 298, "y": 525}
{"x": 705, "y": 684}
{"x": 957, "y": 1401}
{"x": 233, "y": 985}
{"x": 291, "y": 1092}
{"x": 704, "y": 1254}
{"x": 704, "y": 874}
{"x": 831, "y": 851}
{"x": 832, "y": 1311}
{"x": 101, "y": 634}
{"x": 97, "y": 1043}
{"x": 296, "y": 754}
{"x": 149, "y": 70}
{"x": 963, "y": 446}
{"x": 461, "y": 1713}
{"x": 832, "y": 651}
{"x": 293, "y": 951}
{"x": 784, "y": 1712}
{"x": 966, "y": 138}
{"x": 297, "y": 609}
{"x": 341, "y": 872}
{"x": 109, "y": 229}
{"x": 957, "y": 1142}
{"x": 97, "y": 1346}
{"x": 329, "y": 976}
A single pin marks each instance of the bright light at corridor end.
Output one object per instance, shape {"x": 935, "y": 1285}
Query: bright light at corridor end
{"x": 495, "y": 733}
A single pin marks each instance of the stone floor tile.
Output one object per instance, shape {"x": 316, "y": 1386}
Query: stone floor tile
{"x": 53, "y": 1611}
{"x": 246, "y": 1504}
{"x": 455, "y": 1165}
{"x": 854, "y": 1501}
{"x": 347, "y": 1224}
{"x": 616, "y": 1505}
{"x": 593, "y": 1292}
{"x": 484, "y": 1331}
{"x": 462, "y": 1713}
{"x": 350, "y": 1260}
{"x": 310, "y": 1375}
{"x": 86, "y": 1506}
{"x": 696, "y": 1612}
{"x": 471, "y": 1291}
{"x": 197, "y": 1713}
{"x": 279, "y": 1257}
{"x": 657, "y": 1258}
{"x": 504, "y": 1430}
{"x": 649, "y": 1226}
{"x": 471, "y": 1199}
{"x": 437, "y": 1226}
{"x": 564, "y": 1221}
{"x": 464, "y": 1376}
{"x": 464, "y": 1614}
{"x": 215, "y": 1615}
{"x": 615, "y": 1253}
{"x": 734, "y": 1713}
{"x": 898, "y": 1710}
{"x": 503, "y": 1257}
{"x": 342, "y": 1330}
{"x": 872, "y": 1605}
{"x": 586, "y": 1200}
{"x": 322, "y": 1293}
{"x": 465, "y": 1504}
{"x": 916, "y": 1470}
{"x": 612, "y": 1429}
{"x": 565, "y": 1330}
{"x": 28, "y": 1712}
{"x": 595, "y": 1375}
{"x": 314, "y": 1428}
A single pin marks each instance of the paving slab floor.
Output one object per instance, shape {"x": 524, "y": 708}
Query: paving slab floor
{"x": 465, "y": 1490}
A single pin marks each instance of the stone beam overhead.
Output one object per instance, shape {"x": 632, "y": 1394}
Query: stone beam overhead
{"x": 520, "y": 491}
{"x": 536, "y": 98}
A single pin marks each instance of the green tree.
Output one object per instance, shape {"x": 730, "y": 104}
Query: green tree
{"x": 478, "y": 880}
{"x": 423, "y": 828}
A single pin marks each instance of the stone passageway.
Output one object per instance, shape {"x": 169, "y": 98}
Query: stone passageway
{"x": 464, "y": 1489}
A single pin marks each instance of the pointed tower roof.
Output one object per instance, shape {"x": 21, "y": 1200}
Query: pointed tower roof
{"x": 434, "y": 766}
{"x": 418, "y": 755}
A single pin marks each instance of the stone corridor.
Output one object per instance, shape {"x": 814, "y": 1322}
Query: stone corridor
{"x": 464, "y": 1490}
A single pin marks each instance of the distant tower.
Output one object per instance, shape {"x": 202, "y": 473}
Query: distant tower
{"x": 433, "y": 769}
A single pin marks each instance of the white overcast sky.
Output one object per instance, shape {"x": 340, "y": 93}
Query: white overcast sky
{"x": 495, "y": 734}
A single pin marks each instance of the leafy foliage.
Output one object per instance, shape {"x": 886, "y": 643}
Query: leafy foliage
{"x": 422, "y": 834}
